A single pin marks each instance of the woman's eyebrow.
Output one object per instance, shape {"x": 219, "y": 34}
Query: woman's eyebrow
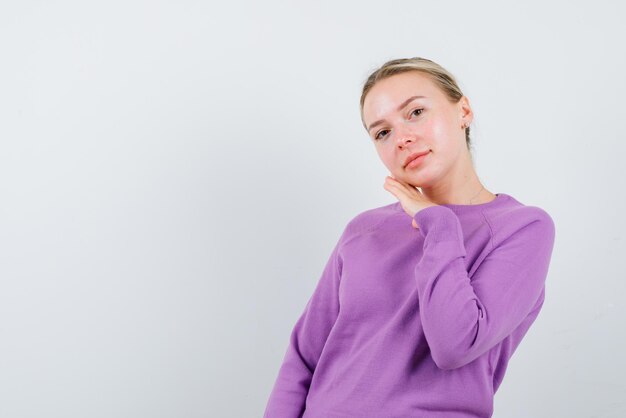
{"x": 399, "y": 108}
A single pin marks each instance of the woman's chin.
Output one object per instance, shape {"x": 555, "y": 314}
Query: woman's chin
{"x": 415, "y": 181}
{"x": 423, "y": 179}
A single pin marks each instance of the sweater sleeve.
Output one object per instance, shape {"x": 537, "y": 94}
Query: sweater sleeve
{"x": 464, "y": 317}
{"x": 307, "y": 339}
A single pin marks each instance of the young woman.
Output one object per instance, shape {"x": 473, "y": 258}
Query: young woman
{"x": 422, "y": 302}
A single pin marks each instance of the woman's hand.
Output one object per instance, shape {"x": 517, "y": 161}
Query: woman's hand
{"x": 411, "y": 199}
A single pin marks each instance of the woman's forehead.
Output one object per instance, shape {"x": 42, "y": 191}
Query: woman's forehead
{"x": 392, "y": 94}
{"x": 399, "y": 86}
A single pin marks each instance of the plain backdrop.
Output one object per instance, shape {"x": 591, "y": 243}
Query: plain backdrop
{"x": 174, "y": 175}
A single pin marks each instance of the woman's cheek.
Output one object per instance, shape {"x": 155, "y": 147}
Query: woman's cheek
{"x": 387, "y": 157}
{"x": 432, "y": 129}
{"x": 386, "y": 162}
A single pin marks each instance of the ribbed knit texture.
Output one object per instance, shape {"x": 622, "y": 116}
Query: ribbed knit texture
{"x": 409, "y": 322}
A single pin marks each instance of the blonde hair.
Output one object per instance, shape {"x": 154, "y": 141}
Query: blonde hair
{"x": 439, "y": 75}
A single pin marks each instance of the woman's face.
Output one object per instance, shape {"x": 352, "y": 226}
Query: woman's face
{"x": 401, "y": 126}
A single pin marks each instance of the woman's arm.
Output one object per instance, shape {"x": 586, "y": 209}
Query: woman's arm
{"x": 306, "y": 342}
{"x": 464, "y": 319}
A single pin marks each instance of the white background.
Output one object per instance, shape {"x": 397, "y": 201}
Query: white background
{"x": 174, "y": 175}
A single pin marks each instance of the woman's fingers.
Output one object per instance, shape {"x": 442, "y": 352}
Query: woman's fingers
{"x": 411, "y": 198}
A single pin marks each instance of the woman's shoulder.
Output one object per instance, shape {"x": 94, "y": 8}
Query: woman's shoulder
{"x": 370, "y": 219}
{"x": 513, "y": 209}
{"x": 514, "y": 216}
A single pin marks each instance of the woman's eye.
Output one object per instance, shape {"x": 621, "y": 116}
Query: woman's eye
{"x": 378, "y": 134}
{"x": 414, "y": 112}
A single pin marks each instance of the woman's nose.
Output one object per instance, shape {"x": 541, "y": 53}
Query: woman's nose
{"x": 404, "y": 135}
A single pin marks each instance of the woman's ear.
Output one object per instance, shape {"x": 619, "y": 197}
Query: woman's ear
{"x": 466, "y": 110}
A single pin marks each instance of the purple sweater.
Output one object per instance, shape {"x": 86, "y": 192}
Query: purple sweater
{"x": 409, "y": 322}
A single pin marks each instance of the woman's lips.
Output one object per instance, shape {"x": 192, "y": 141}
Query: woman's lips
{"x": 417, "y": 161}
